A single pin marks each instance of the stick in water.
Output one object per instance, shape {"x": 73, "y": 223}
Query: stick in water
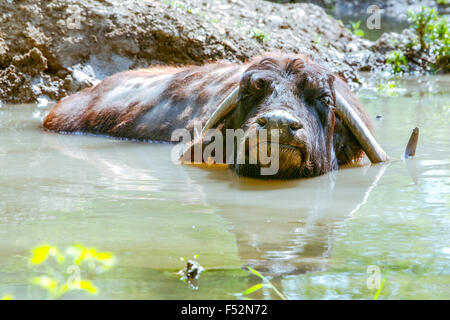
{"x": 410, "y": 150}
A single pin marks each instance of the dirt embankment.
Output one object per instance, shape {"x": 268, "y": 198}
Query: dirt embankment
{"x": 54, "y": 48}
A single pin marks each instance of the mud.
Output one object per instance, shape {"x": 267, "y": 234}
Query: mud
{"x": 53, "y": 48}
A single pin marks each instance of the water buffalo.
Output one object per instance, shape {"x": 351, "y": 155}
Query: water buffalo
{"x": 321, "y": 123}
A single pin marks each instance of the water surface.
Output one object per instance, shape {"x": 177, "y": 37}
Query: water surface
{"x": 315, "y": 238}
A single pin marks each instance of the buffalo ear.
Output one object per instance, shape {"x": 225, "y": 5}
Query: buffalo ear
{"x": 329, "y": 134}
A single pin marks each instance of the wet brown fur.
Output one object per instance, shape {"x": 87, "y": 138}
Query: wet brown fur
{"x": 149, "y": 104}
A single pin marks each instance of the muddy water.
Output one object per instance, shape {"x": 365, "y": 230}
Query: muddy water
{"x": 315, "y": 238}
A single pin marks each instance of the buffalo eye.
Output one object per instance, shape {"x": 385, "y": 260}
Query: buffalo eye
{"x": 326, "y": 100}
{"x": 258, "y": 85}
{"x": 245, "y": 95}
{"x": 254, "y": 88}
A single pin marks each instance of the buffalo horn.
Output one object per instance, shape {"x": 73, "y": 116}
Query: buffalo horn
{"x": 227, "y": 105}
{"x": 359, "y": 130}
{"x": 222, "y": 110}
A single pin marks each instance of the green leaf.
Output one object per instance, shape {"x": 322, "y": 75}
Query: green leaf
{"x": 359, "y": 33}
{"x": 256, "y": 287}
{"x": 266, "y": 283}
{"x": 377, "y": 294}
{"x": 256, "y": 273}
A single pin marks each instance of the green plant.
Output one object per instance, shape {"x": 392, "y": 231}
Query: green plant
{"x": 264, "y": 284}
{"x": 441, "y": 40}
{"x": 317, "y": 39}
{"x": 354, "y": 28}
{"x": 430, "y": 44}
{"x": 422, "y": 24}
{"x": 398, "y": 61}
{"x": 259, "y": 35}
{"x": 383, "y": 281}
{"x": 432, "y": 35}
{"x": 63, "y": 272}
{"x": 389, "y": 88}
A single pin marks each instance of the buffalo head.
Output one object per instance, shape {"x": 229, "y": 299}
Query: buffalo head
{"x": 290, "y": 103}
{"x": 296, "y": 100}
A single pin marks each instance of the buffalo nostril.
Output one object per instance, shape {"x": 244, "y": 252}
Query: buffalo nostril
{"x": 261, "y": 121}
{"x": 295, "y": 126}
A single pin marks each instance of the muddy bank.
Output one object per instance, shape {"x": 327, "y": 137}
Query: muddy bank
{"x": 54, "y": 48}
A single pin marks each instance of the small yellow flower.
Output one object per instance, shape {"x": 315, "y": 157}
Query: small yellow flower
{"x": 85, "y": 253}
{"x": 88, "y": 286}
{"x": 104, "y": 256}
{"x": 40, "y": 254}
{"x": 47, "y": 283}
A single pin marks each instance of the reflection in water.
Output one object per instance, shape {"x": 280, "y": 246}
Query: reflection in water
{"x": 109, "y": 168}
{"x": 288, "y": 228}
{"x": 411, "y": 165}
{"x": 282, "y": 227}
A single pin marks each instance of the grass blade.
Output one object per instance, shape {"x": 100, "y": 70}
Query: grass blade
{"x": 256, "y": 273}
{"x": 256, "y": 287}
